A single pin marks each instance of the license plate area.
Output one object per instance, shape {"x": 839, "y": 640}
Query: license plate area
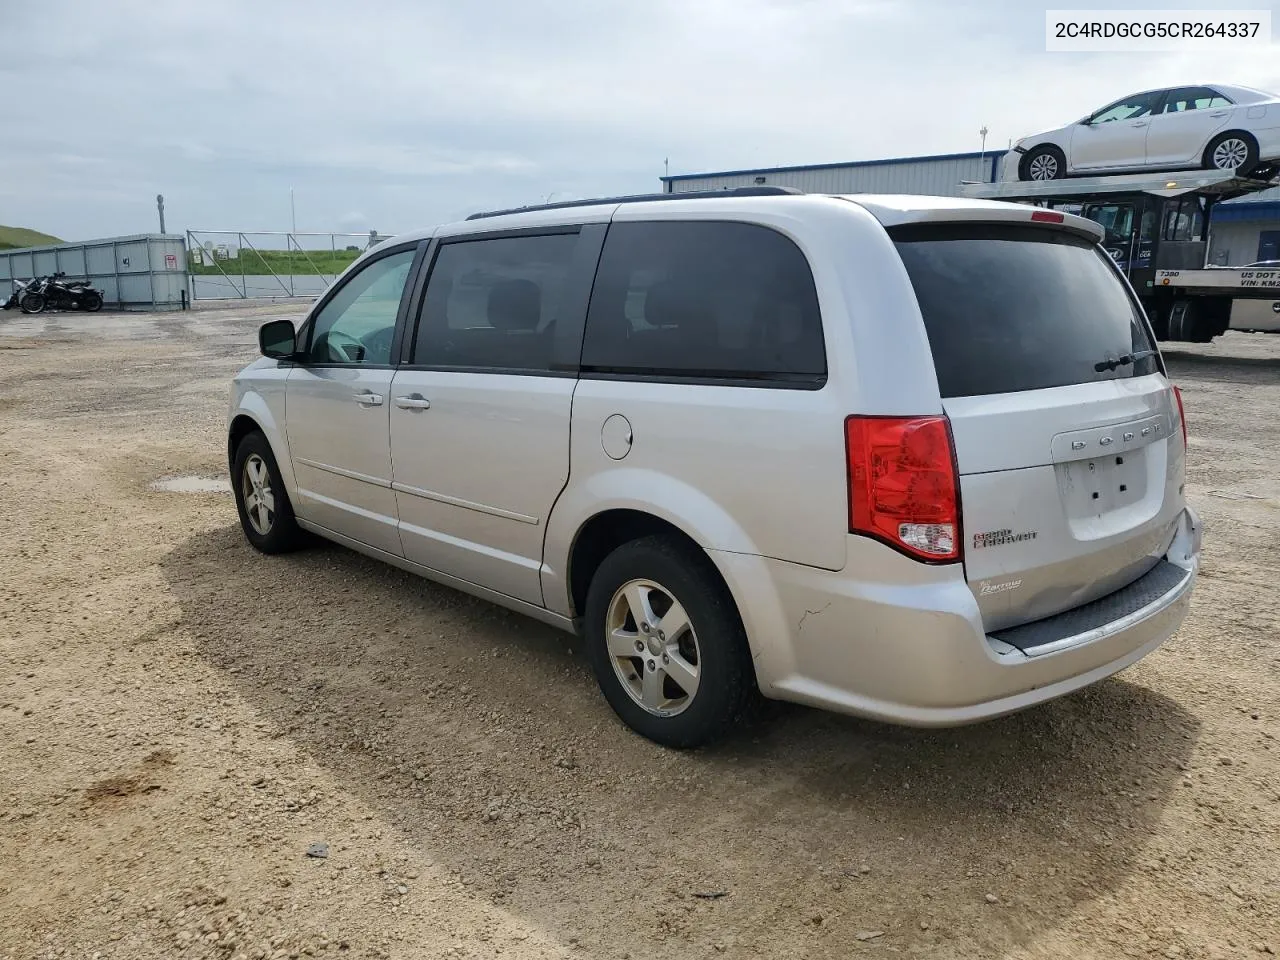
{"x": 1102, "y": 485}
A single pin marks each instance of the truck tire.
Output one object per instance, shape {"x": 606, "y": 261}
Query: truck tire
{"x": 1181, "y": 320}
{"x": 1157, "y": 311}
{"x": 1189, "y": 322}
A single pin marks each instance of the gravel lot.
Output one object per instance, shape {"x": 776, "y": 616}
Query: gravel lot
{"x": 181, "y": 718}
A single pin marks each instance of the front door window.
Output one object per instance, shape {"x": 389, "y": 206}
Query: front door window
{"x": 357, "y": 325}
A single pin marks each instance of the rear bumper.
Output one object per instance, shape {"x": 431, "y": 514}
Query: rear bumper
{"x": 902, "y": 642}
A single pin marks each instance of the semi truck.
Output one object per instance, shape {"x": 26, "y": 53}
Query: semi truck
{"x": 1157, "y": 231}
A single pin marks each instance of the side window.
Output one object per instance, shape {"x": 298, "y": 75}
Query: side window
{"x": 1149, "y": 219}
{"x": 704, "y": 300}
{"x": 1130, "y": 108}
{"x": 1194, "y": 98}
{"x": 358, "y": 324}
{"x": 493, "y": 303}
{"x": 1183, "y": 219}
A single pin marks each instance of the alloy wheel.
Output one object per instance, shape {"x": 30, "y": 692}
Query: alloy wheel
{"x": 1230, "y": 154}
{"x": 259, "y": 500}
{"x": 1043, "y": 166}
{"x": 653, "y": 647}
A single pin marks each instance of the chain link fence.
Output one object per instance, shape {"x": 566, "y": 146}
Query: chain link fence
{"x": 236, "y": 264}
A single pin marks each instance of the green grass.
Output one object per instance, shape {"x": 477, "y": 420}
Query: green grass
{"x": 258, "y": 262}
{"x": 13, "y": 237}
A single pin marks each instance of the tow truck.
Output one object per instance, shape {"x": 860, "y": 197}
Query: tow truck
{"x": 1157, "y": 231}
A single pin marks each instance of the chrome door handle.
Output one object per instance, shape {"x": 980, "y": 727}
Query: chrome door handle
{"x": 367, "y": 399}
{"x": 1140, "y": 123}
{"x": 1219, "y": 113}
{"x": 415, "y": 401}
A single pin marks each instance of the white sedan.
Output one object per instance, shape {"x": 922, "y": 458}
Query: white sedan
{"x": 1217, "y": 127}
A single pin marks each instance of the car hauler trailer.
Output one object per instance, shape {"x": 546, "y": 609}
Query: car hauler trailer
{"x": 1157, "y": 231}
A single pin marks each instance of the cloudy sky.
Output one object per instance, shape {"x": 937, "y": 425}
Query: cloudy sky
{"x": 395, "y": 114}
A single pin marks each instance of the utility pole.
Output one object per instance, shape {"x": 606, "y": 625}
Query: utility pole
{"x": 160, "y": 209}
{"x": 293, "y": 212}
{"x": 983, "y": 155}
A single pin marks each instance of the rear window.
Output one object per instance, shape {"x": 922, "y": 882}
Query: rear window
{"x": 1021, "y": 308}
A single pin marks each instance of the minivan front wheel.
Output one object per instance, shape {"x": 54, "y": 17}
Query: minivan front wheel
{"x": 266, "y": 516}
{"x": 666, "y": 642}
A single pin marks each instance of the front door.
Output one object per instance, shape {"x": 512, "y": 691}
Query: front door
{"x": 1179, "y": 133}
{"x": 479, "y": 418}
{"x": 1115, "y": 136}
{"x": 336, "y": 404}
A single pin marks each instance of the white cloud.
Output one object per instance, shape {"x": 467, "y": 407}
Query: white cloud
{"x": 414, "y": 112}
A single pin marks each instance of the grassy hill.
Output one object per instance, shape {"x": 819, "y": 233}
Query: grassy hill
{"x": 11, "y": 237}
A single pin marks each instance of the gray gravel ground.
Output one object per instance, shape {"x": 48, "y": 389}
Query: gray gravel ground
{"x": 181, "y": 718}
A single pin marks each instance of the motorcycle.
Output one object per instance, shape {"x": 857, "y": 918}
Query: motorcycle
{"x": 26, "y": 296}
{"x": 61, "y": 294}
{"x": 55, "y": 292}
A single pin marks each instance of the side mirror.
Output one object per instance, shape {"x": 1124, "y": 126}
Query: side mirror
{"x": 277, "y": 340}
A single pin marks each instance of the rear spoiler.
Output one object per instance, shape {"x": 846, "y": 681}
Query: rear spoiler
{"x": 892, "y": 212}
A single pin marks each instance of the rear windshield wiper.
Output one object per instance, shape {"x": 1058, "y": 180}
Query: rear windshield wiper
{"x": 1123, "y": 360}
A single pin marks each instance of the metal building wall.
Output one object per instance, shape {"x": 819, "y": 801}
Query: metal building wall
{"x": 1235, "y": 243}
{"x": 145, "y": 271}
{"x": 1235, "y": 227}
{"x": 937, "y": 176}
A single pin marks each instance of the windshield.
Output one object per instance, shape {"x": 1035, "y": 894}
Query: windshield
{"x": 1012, "y": 308}
{"x": 1116, "y": 219}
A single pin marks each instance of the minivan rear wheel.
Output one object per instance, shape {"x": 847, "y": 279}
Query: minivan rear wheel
{"x": 666, "y": 642}
{"x": 266, "y": 515}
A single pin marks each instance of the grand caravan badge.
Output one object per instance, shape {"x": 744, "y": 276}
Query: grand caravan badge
{"x": 999, "y": 538}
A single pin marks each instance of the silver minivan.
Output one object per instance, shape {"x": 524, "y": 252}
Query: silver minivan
{"x": 909, "y": 458}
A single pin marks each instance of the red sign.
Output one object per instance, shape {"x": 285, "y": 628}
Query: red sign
{"x": 171, "y": 261}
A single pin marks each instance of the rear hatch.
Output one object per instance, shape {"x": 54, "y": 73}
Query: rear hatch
{"x": 1067, "y": 434}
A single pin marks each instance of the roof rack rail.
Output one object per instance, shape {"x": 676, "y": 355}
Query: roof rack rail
{"x": 644, "y": 198}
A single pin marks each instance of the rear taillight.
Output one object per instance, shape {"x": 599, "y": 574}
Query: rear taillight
{"x": 1182, "y": 417}
{"x": 903, "y": 487}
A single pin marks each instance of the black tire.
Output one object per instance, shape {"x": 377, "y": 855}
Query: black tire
{"x": 1190, "y": 322}
{"x": 92, "y": 301}
{"x": 281, "y": 532}
{"x": 726, "y": 681}
{"x": 1158, "y": 313}
{"x": 1048, "y": 158}
{"x": 1211, "y": 162}
{"x": 31, "y": 303}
